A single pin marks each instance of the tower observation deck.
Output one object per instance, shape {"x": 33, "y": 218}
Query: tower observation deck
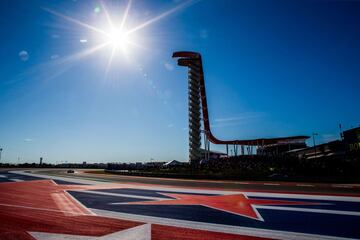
{"x": 198, "y": 104}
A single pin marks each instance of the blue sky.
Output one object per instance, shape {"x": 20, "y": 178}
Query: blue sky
{"x": 272, "y": 68}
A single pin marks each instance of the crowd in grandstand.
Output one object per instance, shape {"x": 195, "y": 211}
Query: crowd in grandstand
{"x": 257, "y": 166}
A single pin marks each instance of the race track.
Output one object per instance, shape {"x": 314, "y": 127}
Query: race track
{"x": 86, "y": 206}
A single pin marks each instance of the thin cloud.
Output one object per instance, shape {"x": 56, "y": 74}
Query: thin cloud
{"x": 240, "y": 117}
{"x": 226, "y": 124}
{"x": 169, "y": 66}
{"x": 24, "y": 55}
{"x": 28, "y": 140}
{"x": 204, "y": 34}
{"x": 55, "y": 56}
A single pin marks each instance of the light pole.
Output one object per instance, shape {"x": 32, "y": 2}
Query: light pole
{"x": 0, "y": 153}
{"x": 313, "y": 135}
{"x": 341, "y": 132}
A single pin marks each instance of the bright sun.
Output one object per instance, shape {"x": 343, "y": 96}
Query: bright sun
{"x": 118, "y": 39}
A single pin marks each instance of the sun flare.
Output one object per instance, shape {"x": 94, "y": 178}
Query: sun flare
{"x": 115, "y": 34}
{"x": 118, "y": 39}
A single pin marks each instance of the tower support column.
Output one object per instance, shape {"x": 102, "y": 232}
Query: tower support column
{"x": 194, "y": 117}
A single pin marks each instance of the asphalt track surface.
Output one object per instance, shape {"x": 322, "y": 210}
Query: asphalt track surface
{"x": 90, "y": 206}
{"x": 273, "y": 186}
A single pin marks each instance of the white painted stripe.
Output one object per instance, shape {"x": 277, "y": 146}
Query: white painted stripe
{"x": 35, "y": 208}
{"x": 122, "y": 195}
{"x": 68, "y": 179}
{"x": 16, "y": 180}
{"x": 326, "y": 211}
{"x": 303, "y": 196}
{"x": 305, "y": 185}
{"x": 64, "y": 204}
{"x": 342, "y": 186}
{"x": 84, "y": 209}
{"x": 3, "y": 176}
{"x": 142, "y": 232}
{"x": 245, "y": 231}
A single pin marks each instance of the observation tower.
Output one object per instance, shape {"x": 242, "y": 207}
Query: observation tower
{"x": 198, "y": 105}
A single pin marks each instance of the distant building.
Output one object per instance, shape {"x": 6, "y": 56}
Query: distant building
{"x": 212, "y": 155}
{"x": 282, "y": 147}
{"x": 173, "y": 163}
{"x": 333, "y": 148}
{"x": 154, "y": 164}
{"x": 349, "y": 145}
{"x": 352, "y": 140}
